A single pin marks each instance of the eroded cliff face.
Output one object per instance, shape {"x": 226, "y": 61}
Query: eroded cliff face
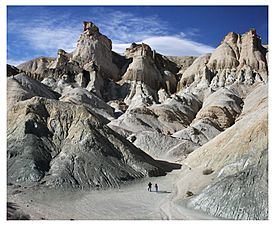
{"x": 238, "y": 59}
{"x": 88, "y": 66}
{"x": 237, "y": 188}
{"x": 66, "y": 145}
{"x": 97, "y": 118}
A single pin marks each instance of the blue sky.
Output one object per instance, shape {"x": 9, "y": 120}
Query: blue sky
{"x": 35, "y": 31}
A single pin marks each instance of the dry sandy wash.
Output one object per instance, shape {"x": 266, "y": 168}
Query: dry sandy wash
{"x": 132, "y": 202}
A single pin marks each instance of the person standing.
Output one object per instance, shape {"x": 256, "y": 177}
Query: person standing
{"x": 156, "y": 187}
{"x": 149, "y": 186}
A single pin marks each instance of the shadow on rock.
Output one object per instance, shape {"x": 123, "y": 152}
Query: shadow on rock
{"x": 168, "y": 166}
{"x": 13, "y": 213}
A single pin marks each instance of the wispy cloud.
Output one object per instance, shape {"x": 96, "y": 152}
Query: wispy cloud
{"x": 127, "y": 27}
{"x": 16, "y": 62}
{"x": 174, "y": 46}
{"x": 47, "y": 33}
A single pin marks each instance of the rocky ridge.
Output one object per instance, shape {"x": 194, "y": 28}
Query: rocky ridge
{"x": 96, "y": 106}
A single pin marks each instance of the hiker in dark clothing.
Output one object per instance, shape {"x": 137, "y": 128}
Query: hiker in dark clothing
{"x": 156, "y": 186}
{"x": 149, "y": 186}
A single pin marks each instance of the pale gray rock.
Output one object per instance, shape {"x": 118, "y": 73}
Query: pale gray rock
{"x": 36, "y": 67}
{"x": 92, "y": 46}
{"x": 219, "y": 111}
{"x": 238, "y": 188}
{"x": 221, "y": 107}
{"x": 239, "y": 196}
{"x": 182, "y": 62}
{"x": 238, "y": 59}
{"x": 157, "y": 145}
{"x": 188, "y": 76}
{"x": 209, "y": 113}
{"x": 170, "y": 116}
{"x": 22, "y": 87}
{"x": 80, "y": 96}
{"x": 64, "y": 145}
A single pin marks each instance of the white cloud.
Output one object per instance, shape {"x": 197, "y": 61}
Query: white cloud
{"x": 48, "y": 39}
{"x": 16, "y": 62}
{"x": 171, "y": 46}
{"x": 120, "y": 48}
{"x": 48, "y": 33}
{"x": 126, "y": 27}
{"x": 44, "y": 35}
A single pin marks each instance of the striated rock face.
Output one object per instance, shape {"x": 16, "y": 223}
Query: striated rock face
{"x": 238, "y": 59}
{"x": 93, "y": 47}
{"x": 80, "y": 96}
{"x": 242, "y": 195}
{"x": 97, "y": 118}
{"x": 222, "y": 108}
{"x": 168, "y": 117}
{"x": 189, "y": 74}
{"x": 87, "y": 66}
{"x": 147, "y": 73}
{"x": 36, "y": 68}
{"x": 142, "y": 68}
{"x": 182, "y": 62}
{"x": 238, "y": 156}
{"x": 22, "y": 87}
{"x": 64, "y": 145}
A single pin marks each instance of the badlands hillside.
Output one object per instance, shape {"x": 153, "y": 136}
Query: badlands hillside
{"x": 94, "y": 119}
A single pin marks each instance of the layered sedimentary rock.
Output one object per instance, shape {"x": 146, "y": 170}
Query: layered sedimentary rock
{"x": 181, "y": 62}
{"x": 80, "y": 96}
{"x": 238, "y": 59}
{"x": 93, "y": 47}
{"x": 36, "y": 68}
{"x": 147, "y": 73}
{"x": 168, "y": 117}
{"x": 238, "y": 157}
{"x": 209, "y": 113}
{"x": 22, "y": 87}
{"x": 64, "y": 145}
{"x": 87, "y": 66}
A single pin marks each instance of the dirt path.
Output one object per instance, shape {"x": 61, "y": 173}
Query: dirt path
{"x": 129, "y": 202}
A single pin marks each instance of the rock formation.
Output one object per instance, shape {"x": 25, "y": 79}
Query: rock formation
{"x": 238, "y": 59}
{"x": 12, "y": 70}
{"x": 95, "y": 118}
{"x": 238, "y": 157}
{"x": 64, "y": 145}
{"x": 22, "y": 87}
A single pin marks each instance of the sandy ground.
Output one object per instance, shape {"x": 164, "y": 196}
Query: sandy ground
{"x": 131, "y": 201}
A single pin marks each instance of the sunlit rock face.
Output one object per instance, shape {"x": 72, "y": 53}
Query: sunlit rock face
{"x": 95, "y": 118}
{"x": 238, "y": 59}
{"x": 237, "y": 188}
{"x": 62, "y": 144}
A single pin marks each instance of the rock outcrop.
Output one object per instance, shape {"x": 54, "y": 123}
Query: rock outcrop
{"x": 238, "y": 156}
{"x": 87, "y": 66}
{"x": 22, "y": 87}
{"x": 97, "y": 118}
{"x": 238, "y": 59}
{"x": 36, "y": 68}
{"x": 56, "y": 143}
{"x": 170, "y": 116}
{"x": 12, "y": 70}
{"x": 80, "y": 96}
{"x": 95, "y": 48}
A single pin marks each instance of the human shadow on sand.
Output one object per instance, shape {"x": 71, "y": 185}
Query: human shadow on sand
{"x": 162, "y": 191}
